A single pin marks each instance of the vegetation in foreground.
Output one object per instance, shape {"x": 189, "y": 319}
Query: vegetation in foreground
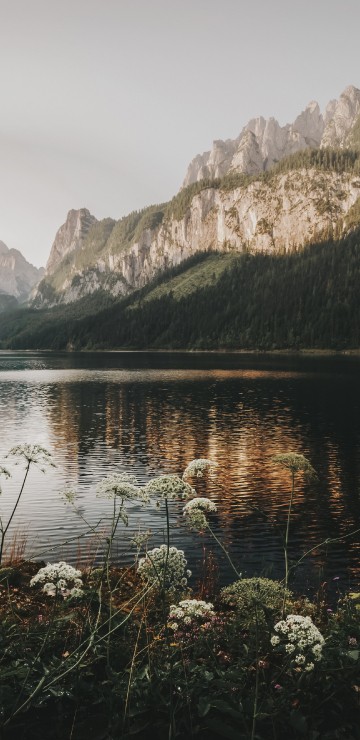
{"x": 114, "y": 652}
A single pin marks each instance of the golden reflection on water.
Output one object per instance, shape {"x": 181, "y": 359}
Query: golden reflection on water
{"x": 150, "y": 422}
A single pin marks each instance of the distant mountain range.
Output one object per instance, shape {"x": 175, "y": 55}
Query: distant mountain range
{"x": 245, "y": 194}
{"x": 273, "y": 190}
{"x": 17, "y": 277}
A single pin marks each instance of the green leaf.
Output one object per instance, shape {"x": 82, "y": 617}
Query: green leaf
{"x": 353, "y": 654}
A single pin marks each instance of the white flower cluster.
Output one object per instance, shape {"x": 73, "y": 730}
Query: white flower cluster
{"x": 169, "y": 486}
{"x": 35, "y": 454}
{"x": 194, "y": 510}
{"x": 164, "y": 569}
{"x": 124, "y": 487}
{"x": 189, "y": 611}
{"x": 121, "y": 485}
{"x": 301, "y": 639}
{"x": 59, "y": 578}
{"x": 198, "y": 468}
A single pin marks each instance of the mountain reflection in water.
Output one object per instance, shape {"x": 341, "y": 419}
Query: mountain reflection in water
{"x": 150, "y": 414}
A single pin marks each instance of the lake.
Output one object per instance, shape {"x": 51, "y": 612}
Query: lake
{"x": 152, "y": 413}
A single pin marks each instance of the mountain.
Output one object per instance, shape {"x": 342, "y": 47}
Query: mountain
{"x": 262, "y": 142}
{"x": 17, "y": 277}
{"x": 273, "y": 189}
{"x": 305, "y": 299}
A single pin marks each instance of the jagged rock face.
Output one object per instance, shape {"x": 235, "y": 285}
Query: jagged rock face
{"x": 70, "y": 236}
{"x": 17, "y": 276}
{"x": 264, "y": 142}
{"x": 281, "y": 214}
{"x": 270, "y": 217}
{"x": 342, "y": 116}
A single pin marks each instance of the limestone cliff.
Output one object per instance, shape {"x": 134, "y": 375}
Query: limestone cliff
{"x": 70, "y": 236}
{"x": 236, "y": 198}
{"x": 17, "y": 276}
{"x": 344, "y": 114}
{"x": 277, "y": 213}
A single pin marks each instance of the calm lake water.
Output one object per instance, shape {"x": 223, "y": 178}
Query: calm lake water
{"x": 151, "y": 413}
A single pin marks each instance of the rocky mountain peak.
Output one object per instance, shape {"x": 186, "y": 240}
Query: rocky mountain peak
{"x": 341, "y": 118}
{"x": 70, "y": 236}
{"x": 269, "y": 142}
{"x": 17, "y": 275}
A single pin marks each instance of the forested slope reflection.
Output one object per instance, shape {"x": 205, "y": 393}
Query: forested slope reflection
{"x": 151, "y": 421}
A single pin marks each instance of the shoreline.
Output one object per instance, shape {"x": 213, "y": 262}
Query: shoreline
{"x": 307, "y": 352}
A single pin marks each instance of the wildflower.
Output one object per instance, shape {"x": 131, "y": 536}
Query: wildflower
{"x": 76, "y": 593}
{"x": 295, "y": 463}
{"x": 198, "y": 467}
{"x": 352, "y": 641}
{"x": 301, "y": 637}
{"x": 49, "y": 589}
{"x": 278, "y": 687}
{"x": 300, "y": 659}
{"x": 194, "y": 510}
{"x": 191, "y": 612}
{"x": 59, "y": 578}
{"x": 275, "y": 639}
{"x": 69, "y": 494}
{"x": 141, "y": 539}
{"x": 35, "y": 454}
{"x": 163, "y": 567}
{"x": 169, "y": 487}
{"x": 121, "y": 485}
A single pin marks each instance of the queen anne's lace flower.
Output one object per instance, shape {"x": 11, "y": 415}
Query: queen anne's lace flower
{"x": 161, "y": 568}
{"x": 295, "y": 463}
{"x": 190, "y": 611}
{"x": 299, "y": 635}
{"x": 59, "y": 578}
{"x": 35, "y": 454}
{"x": 123, "y": 487}
{"x": 194, "y": 512}
{"x": 198, "y": 468}
{"x": 169, "y": 486}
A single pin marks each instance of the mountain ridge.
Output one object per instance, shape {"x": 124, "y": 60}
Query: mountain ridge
{"x": 262, "y": 143}
{"x": 267, "y": 190}
{"x": 17, "y": 276}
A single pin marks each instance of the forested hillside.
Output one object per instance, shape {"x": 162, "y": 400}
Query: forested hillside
{"x": 308, "y": 299}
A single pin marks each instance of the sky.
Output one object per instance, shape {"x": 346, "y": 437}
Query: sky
{"x": 104, "y": 103}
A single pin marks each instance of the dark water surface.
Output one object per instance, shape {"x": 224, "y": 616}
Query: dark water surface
{"x": 151, "y": 413}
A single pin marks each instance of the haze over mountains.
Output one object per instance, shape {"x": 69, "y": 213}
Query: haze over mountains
{"x": 244, "y": 195}
{"x": 17, "y": 277}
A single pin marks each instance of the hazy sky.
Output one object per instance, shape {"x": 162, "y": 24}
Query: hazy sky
{"x": 105, "y": 102}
